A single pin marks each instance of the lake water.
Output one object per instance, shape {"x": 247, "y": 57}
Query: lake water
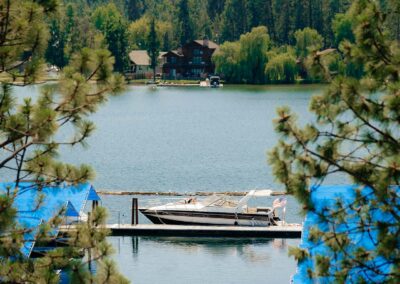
{"x": 186, "y": 140}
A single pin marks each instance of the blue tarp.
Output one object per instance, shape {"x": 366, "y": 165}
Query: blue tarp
{"x": 324, "y": 197}
{"x": 73, "y": 198}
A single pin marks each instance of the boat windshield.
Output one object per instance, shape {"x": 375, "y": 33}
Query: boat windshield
{"x": 219, "y": 201}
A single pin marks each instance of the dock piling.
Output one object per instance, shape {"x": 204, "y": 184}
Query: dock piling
{"x": 135, "y": 211}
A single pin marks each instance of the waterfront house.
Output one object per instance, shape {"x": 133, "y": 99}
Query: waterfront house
{"x": 191, "y": 61}
{"x": 140, "y": 68}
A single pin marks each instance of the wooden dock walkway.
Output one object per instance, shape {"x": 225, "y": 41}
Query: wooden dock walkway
{"x": 288, "y": 231}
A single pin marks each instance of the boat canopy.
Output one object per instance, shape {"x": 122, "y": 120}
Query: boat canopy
{"x": 71, "y": 197}
{"x": 253, "y": 193}
{"x": 326, "y": 196}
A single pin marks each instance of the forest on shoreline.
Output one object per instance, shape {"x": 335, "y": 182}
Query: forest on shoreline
{"x": 261, "y": 41}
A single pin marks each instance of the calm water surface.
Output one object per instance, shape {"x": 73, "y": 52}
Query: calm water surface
{"x": 190, "y": 139}
{"x": 186, "y": 140}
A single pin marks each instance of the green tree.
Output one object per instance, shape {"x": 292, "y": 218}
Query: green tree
{"x": 184, "y": 23}
{"x": 342, "y": 26}
{"x": 55, "y": 52}
{"x": 153, "y": 48}
{"x": 244, "y": 61}
{"x": 253, "y": 55}
{"x": 343, "y": 30}
{"x": 29, "y": 142}
{"x": 234, "y": 20}
{"x": 392, "y": 12}
{"x": 355, "y": 136}
{"x": 139, "y": 33}
{"x": 307, "y": 41}
{"x": 77, "y": 29}
{"x": 226, "y": 60}
{"x": 112, "y": 24}
{"x": 200, "y": 16}
{"x": 134, "y": 9}
{"x": 215, "y": 7}
{"x": 284, "y": 14}
{"x": 281, "y": 68}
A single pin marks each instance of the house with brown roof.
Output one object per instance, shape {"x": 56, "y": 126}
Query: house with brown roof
{"x": 140, "y": 65}
{"x": 193, "y": 60}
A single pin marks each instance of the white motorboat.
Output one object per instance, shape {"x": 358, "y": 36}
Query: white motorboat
{"x": 212, "y": 82}
{"x": 216, "y": 210}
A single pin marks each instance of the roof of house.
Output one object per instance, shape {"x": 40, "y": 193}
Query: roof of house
{"x": 71, "y": 197}
{"x": 325, "y": 196}
{"x": 141, "y": 57}
{"x": 174, "y": 52}
{"x": 211, "y": 44}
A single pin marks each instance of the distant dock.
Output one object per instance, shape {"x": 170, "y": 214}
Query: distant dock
{"x": 174, "y": 193}
{"x": 290, "y": 231}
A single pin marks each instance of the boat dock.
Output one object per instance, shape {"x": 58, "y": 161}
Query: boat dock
{"x": 289, "y": 231}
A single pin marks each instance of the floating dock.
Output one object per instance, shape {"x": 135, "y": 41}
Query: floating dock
{"x": 290, "y": 231}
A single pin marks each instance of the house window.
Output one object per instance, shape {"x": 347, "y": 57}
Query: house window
{"x": 172, "y": 59}
{"x": 196, "y": 51}
{"x": 197, "y": 71}
{"x": 197, "y": 60}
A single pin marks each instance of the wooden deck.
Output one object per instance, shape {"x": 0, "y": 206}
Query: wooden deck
{"x": 288, "y": 231}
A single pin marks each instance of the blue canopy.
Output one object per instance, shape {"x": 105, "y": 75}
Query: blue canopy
{"x": 71, "y": 197}
{"x": 326, "y": 197}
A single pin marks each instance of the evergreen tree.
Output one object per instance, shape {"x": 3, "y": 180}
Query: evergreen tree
{"x": 284, "y": 11}
{"x": 215, "y": 7}
{"x": 302, "y": 14}
{"x": 55, "y": 52}
{"x": 153, "y": 48}
{"x": 184, "y": 23}
{"x": 257, "y": 13}
{"x": 270, "y": 19}
{"x": 111, "y": 23}
{"x": 29, "y": 143}
{"x": 234, "y": 20}
{"x": 134, "y": 9}
{"x": 355, "y": 136}
{"x": 200, "y": 16}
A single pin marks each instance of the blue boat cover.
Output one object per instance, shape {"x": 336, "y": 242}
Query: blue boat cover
{"x": 93, "y": 196}
{"x": 71, "y": 197}
{"x": 71, "y": 211}
{"x": 326, "y": 197}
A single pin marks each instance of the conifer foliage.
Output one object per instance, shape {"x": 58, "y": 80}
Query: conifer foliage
{"x": 29, "y": 144}
{"x": 153, "y": 47}
{"x": 355, "y": 137}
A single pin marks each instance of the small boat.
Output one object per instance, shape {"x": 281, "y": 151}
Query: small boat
{"x": 216, "y": 210}
{"x": 212, "y": 82}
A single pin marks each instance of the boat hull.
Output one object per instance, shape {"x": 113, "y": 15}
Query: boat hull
{"x": 182, "y": 217}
